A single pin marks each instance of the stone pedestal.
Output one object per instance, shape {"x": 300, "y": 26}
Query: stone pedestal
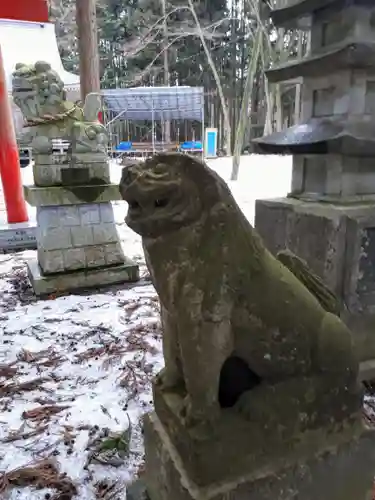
{"x": 342, "y": 469}
{"x": 239, "y": 459}
{"x": 338, "y": 242}
{"x": 328, "y": 218}
{"x": 78, "y": 244}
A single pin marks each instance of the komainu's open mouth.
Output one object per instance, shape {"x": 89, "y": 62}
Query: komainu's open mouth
{"x": 135, "y": 206}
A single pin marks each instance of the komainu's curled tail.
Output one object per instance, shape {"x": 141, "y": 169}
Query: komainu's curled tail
{"x": 312, "y": 282}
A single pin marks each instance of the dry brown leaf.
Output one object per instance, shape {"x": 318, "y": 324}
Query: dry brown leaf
{"x": 41, "y": 474}
{"x": 30, "y": 385}
{"x": 43, "y": 412}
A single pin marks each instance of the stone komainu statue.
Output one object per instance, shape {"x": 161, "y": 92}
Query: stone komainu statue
{"x": 39, "y": 93}
{"x": 240, "y": 329}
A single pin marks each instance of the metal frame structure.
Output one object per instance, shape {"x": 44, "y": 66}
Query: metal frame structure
{"x": 154, "y": 104}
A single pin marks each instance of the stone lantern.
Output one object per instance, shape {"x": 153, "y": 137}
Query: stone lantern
{"x": 328, "y": 218}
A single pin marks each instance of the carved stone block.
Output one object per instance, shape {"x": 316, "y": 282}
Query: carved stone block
{"x": 233, "y": 446}
{"x": 338, "y": 92}
{"x": 341, "y": 470}
{"x": 337, "y": 242}
{"x": 77, "y": 237}
{"x": 69, "y": 158}
{"x": 333, "y": 177}
{"x": 66, "y": 175}
{"x": 45, "y": 284}
{"x": 70, "y": 195}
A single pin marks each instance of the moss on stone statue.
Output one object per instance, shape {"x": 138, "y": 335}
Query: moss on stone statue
{"x": 223, "y": 294}
{"x": 39, "y": 92}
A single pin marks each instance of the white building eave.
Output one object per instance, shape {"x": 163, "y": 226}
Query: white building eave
{"x": 28, "y": 42}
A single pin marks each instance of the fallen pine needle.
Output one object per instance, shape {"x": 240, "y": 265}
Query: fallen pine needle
{"x": 46, "y": 357}
{"x": 43, "y": 412}
{"x": 14, "y": 388}
{"x": 8, "y": 371}
{"x": 95, "y": 352}
{"x": 16, "y": 435}
{"x": 108, "y": 490}
{"x": 41, "y": 474}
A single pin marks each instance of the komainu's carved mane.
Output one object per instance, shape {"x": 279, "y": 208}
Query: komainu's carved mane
{"x": 237, "y": 323}
{"x": 38, "y": 91}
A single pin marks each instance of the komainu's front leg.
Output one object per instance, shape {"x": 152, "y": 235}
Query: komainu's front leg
{"x": 42, "y": 144}
{"x": 171, "y": 376}
{"x": 204, "y": 346}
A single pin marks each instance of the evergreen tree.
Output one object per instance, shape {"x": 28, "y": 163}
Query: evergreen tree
{"x": 62, "y": 13}
{"x": 190, "y": 63}
{"x": 132, "y": 38}
{"x": 113, "y": 30}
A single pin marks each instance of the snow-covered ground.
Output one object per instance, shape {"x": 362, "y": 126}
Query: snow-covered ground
{"x": 75, "y": 370}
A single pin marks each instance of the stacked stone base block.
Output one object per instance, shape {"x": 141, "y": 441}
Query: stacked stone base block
{"x": 74, "y": 237}
{"x": 77, "y": 240}
{"x": 46, "y": 284}
{"x": 79, "y": 169}
{"x": 340, "y": 471}
{"x": 338, "y": 243}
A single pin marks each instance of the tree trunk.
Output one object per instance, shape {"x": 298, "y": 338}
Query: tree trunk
{"x": 242, "y": 121}
{"x": 211, "y": 63}
{"x": 233, "y": 83}
{"x": 88, "y": 47}
{"x": 167, "y": 123}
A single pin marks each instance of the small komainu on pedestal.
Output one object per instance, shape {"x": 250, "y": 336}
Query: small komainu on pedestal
{"x": 78, "y": 244}
{"x": 259, "y": 398}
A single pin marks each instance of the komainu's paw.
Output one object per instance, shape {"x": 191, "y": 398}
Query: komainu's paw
{"x": 167, "y": 381}
{"x": 194, "y": 416}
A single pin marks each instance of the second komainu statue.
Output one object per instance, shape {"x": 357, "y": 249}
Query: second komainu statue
{"x": 39, "y": 92}
{"x": 257, "y": 362}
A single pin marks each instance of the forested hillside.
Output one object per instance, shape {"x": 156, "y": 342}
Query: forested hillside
{"x": 135, "y": 35}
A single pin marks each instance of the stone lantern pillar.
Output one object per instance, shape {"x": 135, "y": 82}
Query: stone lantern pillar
{"x": 328, "y": 218}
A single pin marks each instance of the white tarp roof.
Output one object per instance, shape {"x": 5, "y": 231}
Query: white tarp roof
{"x": 26, "y": 42}
{"x": 156, "y": 103}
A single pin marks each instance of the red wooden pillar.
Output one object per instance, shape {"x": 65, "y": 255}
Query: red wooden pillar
{"x": 10, "y": 172}
{"x": 9, "y": 159}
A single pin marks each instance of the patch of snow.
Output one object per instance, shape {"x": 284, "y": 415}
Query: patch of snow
{"x": 78, "y": 368}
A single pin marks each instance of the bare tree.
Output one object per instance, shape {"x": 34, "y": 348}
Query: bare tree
{"x": 152, "y": 34}
{"x": 275, "y": 47}
{"x": 167, "y": 124}
{"x": 246, "y": 101}
{"x": 228, "y": 133}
